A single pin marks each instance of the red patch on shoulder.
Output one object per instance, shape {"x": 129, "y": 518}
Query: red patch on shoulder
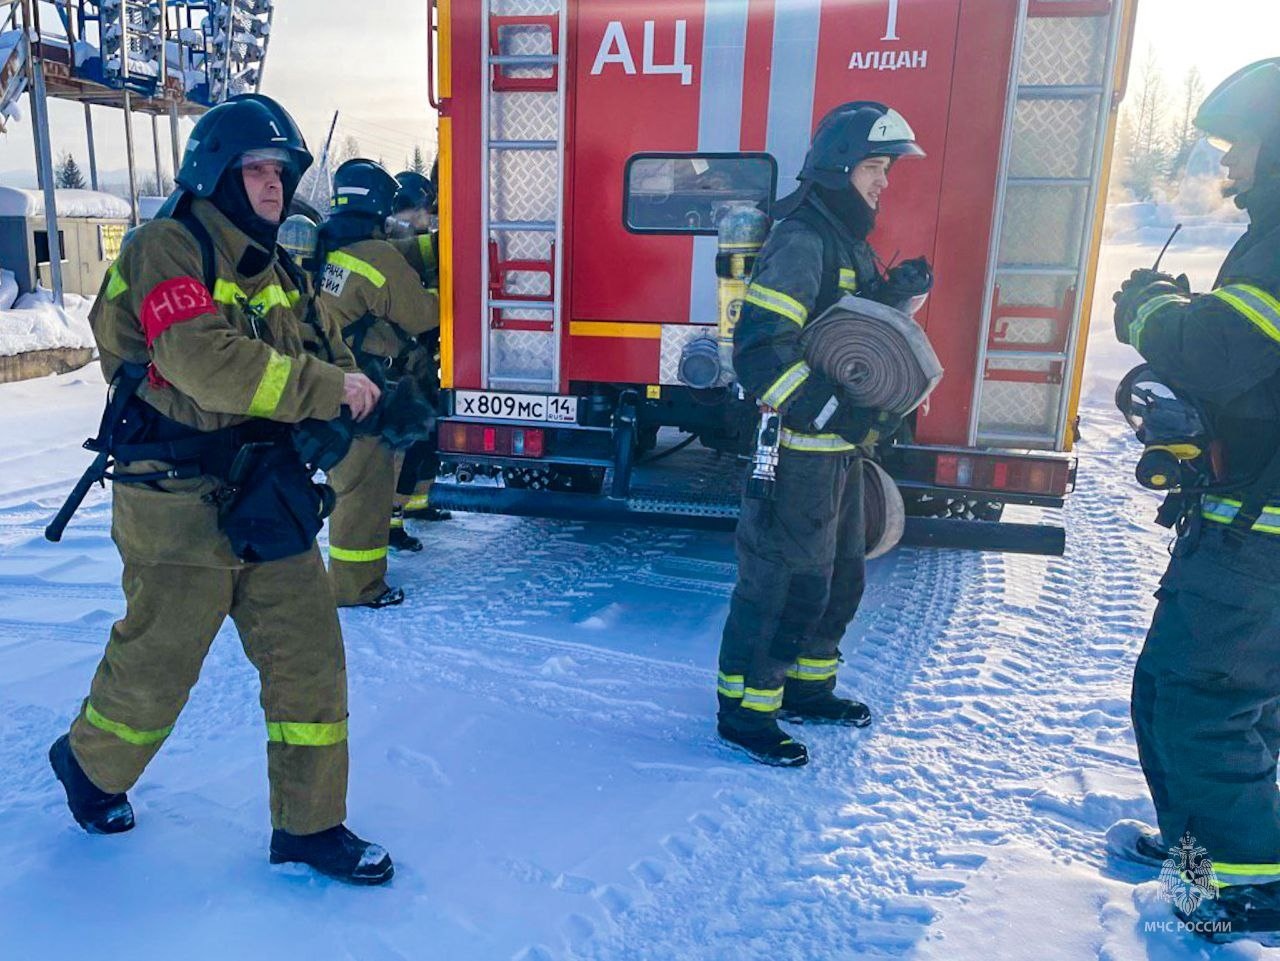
{"x": 171, "y": 302}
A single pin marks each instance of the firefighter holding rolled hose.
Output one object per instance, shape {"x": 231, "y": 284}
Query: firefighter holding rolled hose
{"x": 801, "y": 553}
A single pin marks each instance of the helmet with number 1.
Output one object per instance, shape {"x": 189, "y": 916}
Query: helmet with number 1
{"x": 249, "y": 124}
{"x": 362, "y": 187}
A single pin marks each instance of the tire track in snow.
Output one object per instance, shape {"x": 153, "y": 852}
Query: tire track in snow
{"x": 993, "y": 739}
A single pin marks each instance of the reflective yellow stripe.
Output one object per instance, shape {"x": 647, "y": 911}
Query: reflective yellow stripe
{"x": 730, "y": 685}
{"x": 1228, "y": 874}
{"x": 765, "y": 701}
{"x": 357, "y": 266}
{"x": 1257, "y": 306}
{"x": 777, "y": 302}
{"x": 1223, "y": 510}
{"x": 427, "y": 250}
{"x": 306, "y": 735}
{"x": 786, "y": 385}
{"x": 848, "y": 279}
{"x": 820, "y": 443}
{"x": 124, "y": 731}
{"x": 273, "y": 295}
{"x": 115, "y": 283}
{"x": 417, "y": 502}
{"x": 356, "y": 557}
{"x": 814, "y": 669}
{"x": 1149, "y": 308}
{"x": 271, "y": 387}
{"x": 598, "y": 328}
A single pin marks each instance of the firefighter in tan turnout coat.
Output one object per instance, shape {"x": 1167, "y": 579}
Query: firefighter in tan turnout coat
{"x": 201, "y": 300}
{"x": 370, "y": 292}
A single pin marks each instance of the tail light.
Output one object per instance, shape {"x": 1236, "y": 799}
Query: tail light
{"x": 496, "y": 440}
{"x": 997, "y": 472}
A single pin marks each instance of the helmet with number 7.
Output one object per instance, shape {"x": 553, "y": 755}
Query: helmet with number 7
{"x": 850, "y": 134}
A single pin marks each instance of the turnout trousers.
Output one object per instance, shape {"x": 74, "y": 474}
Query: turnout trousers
{"x": 284, "y": 613}
{"x": 1206, "y": 704}
{"x": 365, "y": 483}
{"x": 801, "y": 572}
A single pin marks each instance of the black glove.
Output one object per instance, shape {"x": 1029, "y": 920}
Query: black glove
{"x": 323, "y": 443}
{"x": 1142, "y": 285}
{"x": 911, "y": 278}
{"x": 404, "y": 415}
{"x": 821, "y": 407}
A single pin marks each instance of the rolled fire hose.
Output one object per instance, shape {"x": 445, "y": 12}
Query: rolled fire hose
{"x": 883, "y": 515}
{"x": 878, "y": 354}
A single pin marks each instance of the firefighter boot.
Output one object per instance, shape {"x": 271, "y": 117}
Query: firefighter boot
{"x": 758, "y": 736}
{"x": 418, "y": 508}
{"x": 399, "y": 539}
{"x": 93, "y": 808}
{"x": 335, "y": 853}
{"x": 813, "y": 702}
{"x": 1240, "y": 912}
{"x": 388, "y": 598}
{"x": 1138, "y": 843}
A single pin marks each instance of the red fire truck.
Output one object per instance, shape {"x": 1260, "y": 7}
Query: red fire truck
{"x": 587, "y": 148}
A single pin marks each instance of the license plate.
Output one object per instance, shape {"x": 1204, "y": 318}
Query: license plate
{"x": 544, "y": 407}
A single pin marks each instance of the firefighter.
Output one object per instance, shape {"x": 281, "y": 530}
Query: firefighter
{"x": 202, "y": 301}
{"x": 411, "y": 229}
{"x": 801, "y": 554}
{"x": 372, "y": 294}
{"x": 1206, "y": 689}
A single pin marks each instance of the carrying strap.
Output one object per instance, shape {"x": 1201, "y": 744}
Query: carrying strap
{"x": 128, "y": 377}
{"x": 209, "y": 265}
{"x": 829, "y": 289}
{"x": 312, "y": 314}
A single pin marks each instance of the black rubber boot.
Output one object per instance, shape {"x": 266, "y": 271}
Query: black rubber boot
{"x": 806, "y": 702}
{"x": 93, "y": 808}
{"x": 388, "y": 598}
{"x": 428, "y": 514}
{"x": 757, "y": 735}
{"x": 399, "y": 539}
{"x": 1240, "y": 912}
{"x": 1137, "y": 843}
{"x": 335, "y": 853}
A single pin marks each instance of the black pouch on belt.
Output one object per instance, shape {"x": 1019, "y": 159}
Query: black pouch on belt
{"x": 269, "y": 508}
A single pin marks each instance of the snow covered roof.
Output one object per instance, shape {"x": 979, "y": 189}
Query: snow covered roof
{"x": 16, "y": 202}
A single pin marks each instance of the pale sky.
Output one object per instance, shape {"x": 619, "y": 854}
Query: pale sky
{"x": 368, "y": 60}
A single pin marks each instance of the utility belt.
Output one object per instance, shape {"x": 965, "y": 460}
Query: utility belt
{"x": 267, "y": 505}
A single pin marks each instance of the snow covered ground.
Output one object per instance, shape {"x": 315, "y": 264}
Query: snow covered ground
{"x": 532, "y": 738}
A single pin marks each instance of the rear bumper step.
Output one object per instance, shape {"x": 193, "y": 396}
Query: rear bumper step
{"x": 720, "y": 515}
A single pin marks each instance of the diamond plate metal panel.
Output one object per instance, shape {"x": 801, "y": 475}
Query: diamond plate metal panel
{"x": 522, "y": 185}
{"x": 1017, "y": 408}
{"x": 1026, "y": 330}
{"x": 521, "y": 355}
{"x": 1043, "y": 225}
{"x": 1032, "y": 291}
{"x": 522, "y": 115}
{"x": 1064, "y": 50}
{"x": 674, "y": 338}
{"x": 524, "y": 8}
{"x": 523, "y": 245}
{"x": 1054, "y": 138}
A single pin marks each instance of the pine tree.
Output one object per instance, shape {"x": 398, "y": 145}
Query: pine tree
{"x": 349, "y": 150}
{"x": 1184, "y": 135}
{"x": 1146, "y": 157}
{"x": 419, "y": 163}
{"x": 68, "y": 175}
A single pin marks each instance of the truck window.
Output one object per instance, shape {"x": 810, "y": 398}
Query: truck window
{"x": 685, "y": 193}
